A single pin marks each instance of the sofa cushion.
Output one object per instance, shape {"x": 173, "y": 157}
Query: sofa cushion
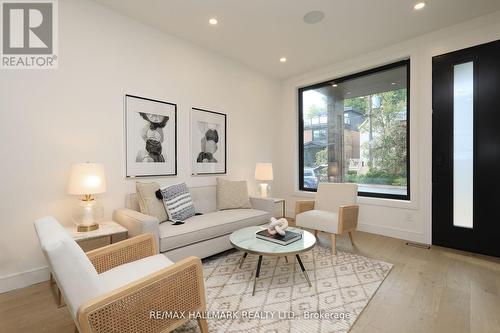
{"x": 232, "y": 194}
{"x": 204, "y": 199}
{"x": 124, "y": 274}
{"x": 318, "y": 220}
{"x": 148, "y": 202}
{"x": 207, "y": 226}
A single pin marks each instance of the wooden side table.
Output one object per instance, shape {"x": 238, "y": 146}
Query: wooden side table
{"x": 109, "y": 232}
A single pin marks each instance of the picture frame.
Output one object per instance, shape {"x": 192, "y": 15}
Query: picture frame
{"x": 208, "y": 142}
{"x": 150, "y": 137}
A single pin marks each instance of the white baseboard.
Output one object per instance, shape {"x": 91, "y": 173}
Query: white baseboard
{"x": 23, "y": 279}
{"x": 392, "y": 232}
{"x": 408, "y": 235}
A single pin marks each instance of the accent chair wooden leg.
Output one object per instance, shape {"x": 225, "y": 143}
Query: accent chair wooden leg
{"x": 202, "y": 323}
{"x": 334, "y": 244}
{"x": 316, "y": 233}
{"x": 59, "y": 297}
{"x": 56, "y": 291}
{"x": 350, "y": 237}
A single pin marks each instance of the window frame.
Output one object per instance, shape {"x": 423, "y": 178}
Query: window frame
{"x": 375, "y": 70}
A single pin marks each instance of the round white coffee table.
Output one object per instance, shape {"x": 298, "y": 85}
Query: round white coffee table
{"x": 246, "y": 241}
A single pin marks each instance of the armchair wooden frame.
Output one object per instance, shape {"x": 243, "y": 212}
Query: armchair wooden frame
{"x": 135, "y": 306}
{"x": 348, "y": 220}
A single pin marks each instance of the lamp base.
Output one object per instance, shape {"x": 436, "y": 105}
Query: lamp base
{"x": 88, "y": 213}
{"x": 86, "y": 228}
{"x": 263, "y": 190}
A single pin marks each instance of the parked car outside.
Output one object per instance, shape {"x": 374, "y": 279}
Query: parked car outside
{"x": 310, "y": 179}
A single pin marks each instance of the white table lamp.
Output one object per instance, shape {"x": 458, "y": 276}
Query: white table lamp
{"x": 87, "y": 179}
{"x": 264, "y": 172}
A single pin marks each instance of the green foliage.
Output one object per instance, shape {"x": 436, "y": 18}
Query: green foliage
{"x": 376, "y": 177}
{"x": 389, "y": 124}
{"x": 322, "y": 157}
{"x": 358, "y": 103}
{"x": 315, "y": 111}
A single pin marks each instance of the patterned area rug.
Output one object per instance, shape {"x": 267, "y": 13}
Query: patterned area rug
{"x": 342, "y": 286}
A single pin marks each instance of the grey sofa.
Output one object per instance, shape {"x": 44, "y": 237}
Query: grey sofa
{"x": 200, "y": 236}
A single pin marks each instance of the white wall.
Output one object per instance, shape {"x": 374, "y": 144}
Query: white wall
{"x": 51, "y": 118}
{"x": 407, "y": 220}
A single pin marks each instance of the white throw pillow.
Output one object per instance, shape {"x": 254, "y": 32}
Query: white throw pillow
{"x": 148, "y": 202}
{"x": 232, "y": 194}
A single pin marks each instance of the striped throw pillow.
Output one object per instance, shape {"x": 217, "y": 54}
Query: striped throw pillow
{"x": 178, "y": 202}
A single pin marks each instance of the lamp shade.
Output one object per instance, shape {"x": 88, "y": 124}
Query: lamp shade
{"x": 264, "y": 171}
{"x": 86, "y": 178}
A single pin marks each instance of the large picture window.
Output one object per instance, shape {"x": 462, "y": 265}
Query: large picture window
{"x": 355, "y": 129}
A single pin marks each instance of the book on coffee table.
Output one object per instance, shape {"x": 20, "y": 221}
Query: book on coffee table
{"x": 288, "y": 238}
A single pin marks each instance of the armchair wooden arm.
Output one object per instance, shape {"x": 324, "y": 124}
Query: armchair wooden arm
{"x": 303, "y": 206}
{"x": 348, "y": 218}
{"x": 137, "y": 306}
{"x": 132, "y": 249}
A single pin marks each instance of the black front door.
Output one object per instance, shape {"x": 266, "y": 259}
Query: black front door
{"x": 466, "y": 149}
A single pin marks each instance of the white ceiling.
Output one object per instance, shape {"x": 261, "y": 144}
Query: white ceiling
{"x": 258, "y": 32}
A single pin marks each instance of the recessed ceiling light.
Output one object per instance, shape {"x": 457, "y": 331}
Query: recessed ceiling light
{"x": 335, "y": 85}
{"x": 313, "y": 17}
{"x": 348, "y": 93}
{"x": 213, "y": 21}
{"x": 282, "y": 59}
{"x": 393, "y": 83}
{"x": 419, "y": 5}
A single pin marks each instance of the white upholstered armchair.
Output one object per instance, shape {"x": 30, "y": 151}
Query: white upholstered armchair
{"x": 116, "y": 288}
{"x": 334, "y": 211}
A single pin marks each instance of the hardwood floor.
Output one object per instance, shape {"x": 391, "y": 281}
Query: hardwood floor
{"x": 436, "y": 290}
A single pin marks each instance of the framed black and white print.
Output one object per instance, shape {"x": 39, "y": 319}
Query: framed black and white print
{"x": 208, "y": 142}
{"x": 151, "y": 137}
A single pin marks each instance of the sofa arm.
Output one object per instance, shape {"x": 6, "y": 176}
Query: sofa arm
{"x": 303, "y": 206}
{"x": 137, "y": 223}
{"x": 265, "y": 204}
{"x": 140, "y": 305}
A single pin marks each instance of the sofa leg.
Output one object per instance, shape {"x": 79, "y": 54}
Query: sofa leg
{"x": 350, "y": 237}
{"x": 334, "y": 244}
{"x": 202, "y": 323}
